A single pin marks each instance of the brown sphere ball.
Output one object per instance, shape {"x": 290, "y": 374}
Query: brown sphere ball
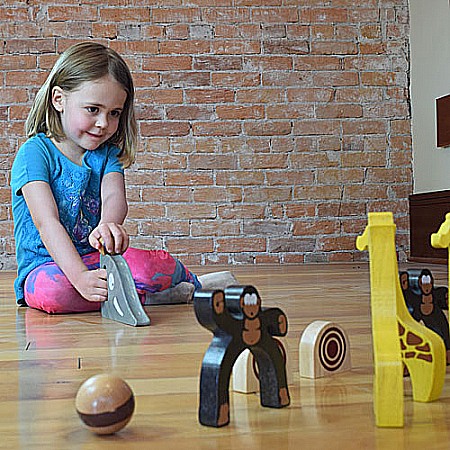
{"x": 105, "y": 403}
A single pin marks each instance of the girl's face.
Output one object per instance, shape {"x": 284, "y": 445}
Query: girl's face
{"x": 90, "y": 114}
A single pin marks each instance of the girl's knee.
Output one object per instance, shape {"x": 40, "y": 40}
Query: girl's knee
{"x": 48, "y": 289}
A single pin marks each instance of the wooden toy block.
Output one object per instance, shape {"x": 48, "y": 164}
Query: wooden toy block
{"x": 324, "y": 350}
{"x": 426, "y": 303}
{"x": 123, "y": 304}
{"x": 245, "y": 376}
{"x": 238, "y": 322}
{"x": 397, "y": 337}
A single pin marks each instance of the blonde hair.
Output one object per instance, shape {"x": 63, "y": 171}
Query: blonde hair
{"x": 86, "y": 61}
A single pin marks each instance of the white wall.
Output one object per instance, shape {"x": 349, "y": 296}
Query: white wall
{"x": 430, "y": 79}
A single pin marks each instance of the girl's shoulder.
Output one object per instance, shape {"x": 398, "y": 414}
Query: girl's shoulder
{"x": 38, "y": 144}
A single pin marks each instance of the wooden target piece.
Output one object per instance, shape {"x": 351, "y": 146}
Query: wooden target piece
{"x": 324, "y": 350}
{"x": 245, "y": 377}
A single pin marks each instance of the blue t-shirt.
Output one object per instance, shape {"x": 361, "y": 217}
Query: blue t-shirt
{"x": 76, "y": 190}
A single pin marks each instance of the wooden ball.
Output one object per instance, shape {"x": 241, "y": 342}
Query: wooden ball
{"x": 105, "y": 403}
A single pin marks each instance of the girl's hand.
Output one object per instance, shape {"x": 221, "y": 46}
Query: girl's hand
{"x": 111, "y": 236}
{"x": 92, "y": 285}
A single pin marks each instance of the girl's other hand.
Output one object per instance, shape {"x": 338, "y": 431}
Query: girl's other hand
{"x": 92, "y": 285}
{"x": 111, "y": 236}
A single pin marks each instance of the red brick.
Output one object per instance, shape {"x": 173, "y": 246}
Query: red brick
{"x": 189, "y": 245}
{"x": 334, "y": 48}
{"x": 275, "y": 15}
{"x": 163, "y": 63}
{"x": 264, "y": 128}
{"x": 209, "y": 95}
{"x": 237, "y": 211}
{"x": 292, "y": 244}
{"x": 237, "y": 245}
{"x": 28, "y": 46}
{"x": 337, "y": 243}
{"x": 270, "y": 161}
{"x": 381, "y": 78}
{"x": 364, "y": 127}
{"x": 290, "y": 111}
{"x": 165, "y": 228}
{"x": 14, "y": 13}
{"x": 139, "y": 177}
{"x": 184, "y": 47}
{"x": 317, "y": 63}
{"x": 363, "y": 159}
{"x": 159, "y": 128}
{"x": 145, "y": 211}
{"x": 89, "y": 13}
{"x": 213, "y": 194}
{"x": 239, "y": 178}
{"x": 177, "y": 31}
{"x": 161, "y": 96}
{"x": 316, "y": 227}
{"x": 311, "y": 95}
{"x": 189, "y": 211}
{"x": 330, "y": 192}
{"x": 216, "y": 129}
{"x": 336, "y": 79}
{"x": 146, "y": 112}
{"x": 215, "y": 228}
{"x": 366, "y": 192}
{"x": 217, "y": 63}
{"x": 236, "y": 79}
{"x": 17, "y": 62}
{"x": 236, "y": 48}
{"x": 265, "y": 63}
{"x": 290, "y": 177}
{"x": 340, "y": 176}
{"x": 175, "y": 15}
{"x": 226, "y": 15}
{"x": 339, "y": 111}
{"x": 184, "y": 178}
{"x": 189, "y": 113}
{"x": 287, "y": 47}
{"x": 163, "y": 194}
{"x": 185, "y": 79}
{"x": 267, "y": 194}
{"x": 316, "y": 127}
{"x": 239, "y": 112}
{"x": 324, "y": 15}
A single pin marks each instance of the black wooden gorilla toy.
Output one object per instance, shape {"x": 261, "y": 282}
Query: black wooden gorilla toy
{"x": 238, "y": 322}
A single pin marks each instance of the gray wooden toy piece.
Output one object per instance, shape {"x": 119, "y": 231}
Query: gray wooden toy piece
{"x": 123, "y": 304}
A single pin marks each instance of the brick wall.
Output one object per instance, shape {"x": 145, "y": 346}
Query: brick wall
{"x": 269, "y": 128}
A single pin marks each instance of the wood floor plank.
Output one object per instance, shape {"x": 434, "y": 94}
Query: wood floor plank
{"x": 44, "y": 359}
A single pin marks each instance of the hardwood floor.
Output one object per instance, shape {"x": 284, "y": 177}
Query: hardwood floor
{"x": 44, "y": 359}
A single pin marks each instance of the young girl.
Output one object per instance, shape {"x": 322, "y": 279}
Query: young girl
{"x": 68, "y": 189}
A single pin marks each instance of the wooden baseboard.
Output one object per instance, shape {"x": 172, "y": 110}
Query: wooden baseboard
{"x": 427, "y": 260}
{"x": 426, "y": 213}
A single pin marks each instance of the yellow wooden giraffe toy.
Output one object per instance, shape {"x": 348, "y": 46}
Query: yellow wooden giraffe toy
{"x": 397, "y": 337}
{"x": 441, "y": 239}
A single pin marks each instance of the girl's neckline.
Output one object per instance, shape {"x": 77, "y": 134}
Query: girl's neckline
{"x": 75, "y": 163}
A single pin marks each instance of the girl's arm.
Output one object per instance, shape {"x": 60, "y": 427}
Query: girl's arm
{"x": 91, "y": 284}
{"x": 114, "y": 210}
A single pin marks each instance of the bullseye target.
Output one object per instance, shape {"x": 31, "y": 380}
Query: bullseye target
{"x": 324, "y": 349}
{"x": 332, "y": 349}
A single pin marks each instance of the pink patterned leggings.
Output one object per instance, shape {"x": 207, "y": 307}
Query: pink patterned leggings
{"x": 48, "y": 289}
